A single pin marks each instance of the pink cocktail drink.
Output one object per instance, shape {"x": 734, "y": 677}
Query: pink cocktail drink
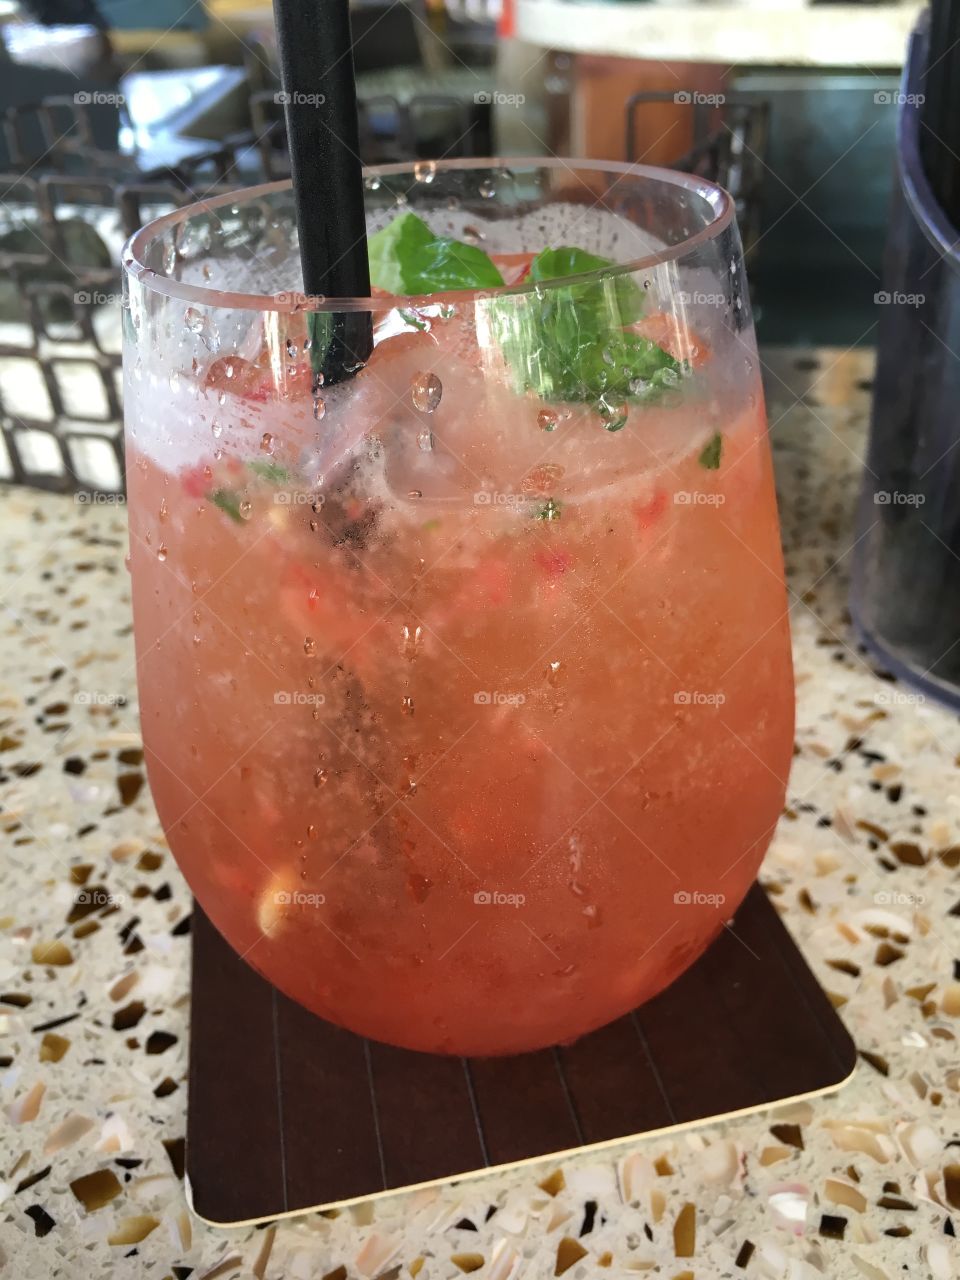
{"x": 467, "y": 703}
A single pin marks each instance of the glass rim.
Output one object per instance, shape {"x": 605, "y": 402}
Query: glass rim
{"x": 285, "y": 301}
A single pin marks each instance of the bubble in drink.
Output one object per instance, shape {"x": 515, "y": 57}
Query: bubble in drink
{"x": 427, "y": 392}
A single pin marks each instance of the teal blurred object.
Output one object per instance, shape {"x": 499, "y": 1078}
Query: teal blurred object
{"x": 158, "y": 15}
{"x": 826, "y": 198}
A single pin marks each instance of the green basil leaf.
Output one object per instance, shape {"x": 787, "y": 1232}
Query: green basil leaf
{"x": 407, "y": 258}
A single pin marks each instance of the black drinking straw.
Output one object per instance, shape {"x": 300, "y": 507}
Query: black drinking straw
{"x": 320, "y": 103}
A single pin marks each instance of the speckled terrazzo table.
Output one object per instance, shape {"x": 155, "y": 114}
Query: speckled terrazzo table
{"x": 94, "y": 951}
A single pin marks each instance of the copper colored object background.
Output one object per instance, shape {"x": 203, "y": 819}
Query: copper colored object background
{"x": 288, "y": 1113}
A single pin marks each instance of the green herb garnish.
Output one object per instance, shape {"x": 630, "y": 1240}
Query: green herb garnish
{"x": 551, "y": 510}
{"x": 569, "y": 342}
{"x": 406, "y": 257}
{"x": 227, "y": 500}
{"x": 556, "y": 264}
{"x": 712, "y": 452}
{"x": 270, "y": 471}
{"x": 411, "y": 318}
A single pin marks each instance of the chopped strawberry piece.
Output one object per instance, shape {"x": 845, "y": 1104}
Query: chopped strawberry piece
{"x": 238, "y": 377}
{"x": 491, "y": 582}
{"x": 196, "y": 480}
{"x": 554, "y": 562}
{"x": 647, "y": 514}
{"x": 677, "y": 339}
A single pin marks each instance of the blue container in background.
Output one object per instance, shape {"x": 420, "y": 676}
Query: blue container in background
{"x": 906, "y": 582}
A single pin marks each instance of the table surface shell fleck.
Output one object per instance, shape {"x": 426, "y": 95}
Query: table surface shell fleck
{"x": 865, "y": 868}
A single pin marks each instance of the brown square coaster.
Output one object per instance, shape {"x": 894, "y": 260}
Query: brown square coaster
{"x": 289, "y": 1114}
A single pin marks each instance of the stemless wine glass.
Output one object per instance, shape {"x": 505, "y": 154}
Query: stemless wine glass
{"x": 465, "y": 681}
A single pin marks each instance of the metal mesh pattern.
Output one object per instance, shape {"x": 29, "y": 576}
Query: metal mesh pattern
{"x": 69, "y": 206}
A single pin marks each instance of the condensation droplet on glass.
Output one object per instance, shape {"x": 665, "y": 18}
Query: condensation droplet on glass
{"x": 266, "y": 443}
{"x": 163, "y": 513}
{"x": 207, "y": 472}
{"x": 292, "y": 349}
{"x": 310, "y": 647}
{"x": 553, "y": 674}
{"x": 200, "y": 324}
{"x": 228, "y": 369}
{"x": 320, "y": 777}
{"x": 216, "y": 427}
{"x": 411, "y": 641}
{"x": 487, "y": 189}
{"x": 425, "y": 170}
{"x": 161, "y": 552}
{"x": 372, "y": 183}
{"x": 547, "y": 420}
{"x": 426, "y": 392}
{"x": 425, "y": 440}
{"x": 319, "y": 408}
{"x": 613, "y": 413}
{"x": 195, "y": 616}
{"x": 245, "y": 508}
{"x": 415, "y": 493}
{"x": 196, "y": 639}
{"x": 314, "y": 526}
{"x": 126, "y": 562}
{"x": 406, "y": 705}
{"x": 174, "y": 382}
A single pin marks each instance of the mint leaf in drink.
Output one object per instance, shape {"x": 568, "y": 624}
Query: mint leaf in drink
{"x": 712, "y": 453}
{"x": 228, "y": 502}
{"x": 407, "y": 258}
{"x": 269, "y": 471}
{"x": 556, "y": 264}
{"x": 569, "y": 342}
